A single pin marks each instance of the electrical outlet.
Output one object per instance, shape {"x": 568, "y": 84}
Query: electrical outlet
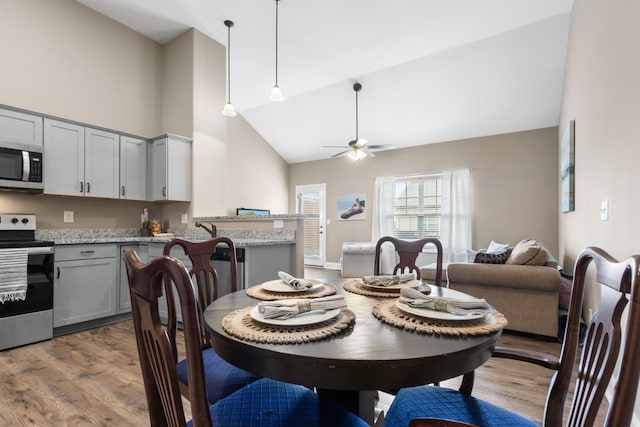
{"x": 68, "y": 216}
{"x": 278, "y": 223}
{"x": 184, "y": 219}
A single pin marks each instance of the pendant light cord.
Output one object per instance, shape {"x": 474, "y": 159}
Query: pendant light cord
{"x": 228, "y": 62}
{"x": 277, "y": 1}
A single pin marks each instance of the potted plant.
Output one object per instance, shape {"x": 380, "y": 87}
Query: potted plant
{"x": 145, "y": 228}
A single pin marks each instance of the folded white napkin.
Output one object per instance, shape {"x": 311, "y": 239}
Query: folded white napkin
{"x": 294, "y": 282}
{"x": 284, "y": 309}
{"x": 388, "y": 280}
{"x": 417, "y": 299}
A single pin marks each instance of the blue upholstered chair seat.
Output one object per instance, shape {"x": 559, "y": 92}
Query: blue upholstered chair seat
{"x": 269, "y": 403}
{"x": 444, "y": 403}
{"x": 222, "y": 378}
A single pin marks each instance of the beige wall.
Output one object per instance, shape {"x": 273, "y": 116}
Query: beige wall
{"x": 62, "y": 59}
{"x": 514, "y": 182}
{"x": 257, "y": 175}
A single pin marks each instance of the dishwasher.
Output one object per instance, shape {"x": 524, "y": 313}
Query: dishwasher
{"x": 221, "y": 262}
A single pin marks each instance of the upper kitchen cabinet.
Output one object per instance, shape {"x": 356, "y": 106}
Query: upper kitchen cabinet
{"x": 133, "y": 168}
{"x": 80, "y": 161}
{"x": 170, "y": 168}
{"x": 20, "y": 128}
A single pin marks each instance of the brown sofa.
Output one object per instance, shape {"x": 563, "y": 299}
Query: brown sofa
{"x": 528, "y": 295}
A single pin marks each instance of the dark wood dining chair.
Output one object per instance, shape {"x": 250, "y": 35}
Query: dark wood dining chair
{"x": 408, "y": 251}
{"x": 262, "y": 403}
{"x": 222, "y": 378}
{"x": 608, "y": 342}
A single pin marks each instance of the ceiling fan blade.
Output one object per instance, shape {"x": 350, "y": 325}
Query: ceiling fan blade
{"x": 381, "y": 147}
{"x": 367, "y": 152}
{"x": 342, "y": 153}
{"x": 333, "y": 146}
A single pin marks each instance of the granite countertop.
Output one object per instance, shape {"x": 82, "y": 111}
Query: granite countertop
{"x": 243, "y": 238}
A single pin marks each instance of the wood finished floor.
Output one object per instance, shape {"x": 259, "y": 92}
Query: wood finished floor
{"x": 93, "y": 378}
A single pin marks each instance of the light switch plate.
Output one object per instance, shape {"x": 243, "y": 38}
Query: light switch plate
{"x": 604, "y": 210}
{"x": 278, "y": 223}
{"x": 184, "y": 218}
{"x": 68, "y": 216}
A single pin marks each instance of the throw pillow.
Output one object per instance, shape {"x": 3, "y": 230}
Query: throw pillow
{"x": 528, "y": 252}
{"x": 496, "y": 258}
{"x": 495, "y": 247}
{"x": 471, "y": 255}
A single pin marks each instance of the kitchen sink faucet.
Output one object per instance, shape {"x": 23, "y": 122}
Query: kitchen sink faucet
{"x": 212, "y": 229}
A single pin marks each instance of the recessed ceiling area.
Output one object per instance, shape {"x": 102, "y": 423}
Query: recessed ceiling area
{"x": 431, "y": 70}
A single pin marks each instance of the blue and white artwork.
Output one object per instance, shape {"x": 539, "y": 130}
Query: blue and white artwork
{"x": 351, "y": 207}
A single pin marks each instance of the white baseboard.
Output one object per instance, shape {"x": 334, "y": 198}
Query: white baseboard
{"x": 332, "y": 266}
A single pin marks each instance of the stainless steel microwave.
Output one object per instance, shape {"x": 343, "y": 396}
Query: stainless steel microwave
{"x": 21, "y": 167}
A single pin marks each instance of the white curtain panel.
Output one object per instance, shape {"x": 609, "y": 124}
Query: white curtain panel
{"x": 382, "y": 220}
{"x": 455, "y": 221}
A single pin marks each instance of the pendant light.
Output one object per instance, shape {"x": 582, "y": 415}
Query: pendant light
{"x": 228, "y": 109}
{"x": 276, "y": 92}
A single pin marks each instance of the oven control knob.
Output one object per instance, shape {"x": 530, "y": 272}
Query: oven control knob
{"x": 25, "y": 220}
{"x": 14, "y": 220}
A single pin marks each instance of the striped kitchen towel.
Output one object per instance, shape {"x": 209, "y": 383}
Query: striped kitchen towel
{"x": 13, "y": 274}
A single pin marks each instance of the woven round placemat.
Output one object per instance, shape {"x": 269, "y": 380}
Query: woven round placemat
{"x": 387, "y": 312}
{"x": 355, "y": 286}
{"x": 259, "y": 293}
{"x": 239, "y": 324}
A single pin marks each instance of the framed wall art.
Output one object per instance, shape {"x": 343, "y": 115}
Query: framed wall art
{"x": 567, "y": 168}
{"x": 351, "y": 207}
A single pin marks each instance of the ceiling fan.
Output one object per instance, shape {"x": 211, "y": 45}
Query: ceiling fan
{"x": 358, "y": 148}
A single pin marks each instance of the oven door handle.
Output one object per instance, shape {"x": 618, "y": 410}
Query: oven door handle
{"x": 58, "y": 275}
{"x": 40, "y": 250}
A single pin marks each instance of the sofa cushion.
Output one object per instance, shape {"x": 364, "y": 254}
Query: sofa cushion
{"x": 528, "y": 252}
{"x": 492, "y": 258}
{"x": 533, "y": 278}
{"x": 495, "y": 247}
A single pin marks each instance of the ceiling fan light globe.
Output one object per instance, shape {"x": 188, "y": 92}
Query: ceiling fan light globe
{"x": 276, "y": 94}
{"x": 357, "y": 154}
{"x": 229, "y": 110}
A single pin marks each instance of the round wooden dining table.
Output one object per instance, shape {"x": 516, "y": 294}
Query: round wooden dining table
{"x": 351, "y": 366}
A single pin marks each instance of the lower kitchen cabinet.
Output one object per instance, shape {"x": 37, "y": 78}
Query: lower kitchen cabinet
{"x": 124, "y": 297}
{"x": 85, "y": 285}
{"x": 262, "y": 263}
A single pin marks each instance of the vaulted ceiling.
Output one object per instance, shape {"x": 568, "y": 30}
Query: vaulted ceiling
{"x": 431, "y": 70}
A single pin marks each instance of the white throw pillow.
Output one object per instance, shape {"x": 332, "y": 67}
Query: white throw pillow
{"x": 495, "y": 247}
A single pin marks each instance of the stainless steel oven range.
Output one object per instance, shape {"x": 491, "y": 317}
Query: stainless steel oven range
{"x": 26, "y": 264}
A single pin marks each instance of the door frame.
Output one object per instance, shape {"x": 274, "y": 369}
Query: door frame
{"x": 322, "y": 220}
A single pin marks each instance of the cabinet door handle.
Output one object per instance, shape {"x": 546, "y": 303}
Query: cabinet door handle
{"x": 164, "y": 191}
{"x": 123, "y": 190}
{"x": 87, "y": 252}
{"x": 58, "y": 275}
{"x": 88, "y": 187}
{"x": 81, "y": 187}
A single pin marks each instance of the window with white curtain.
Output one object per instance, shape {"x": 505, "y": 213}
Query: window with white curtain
{"x": 417, "y": 203}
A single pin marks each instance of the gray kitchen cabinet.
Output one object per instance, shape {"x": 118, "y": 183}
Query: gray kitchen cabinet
{"x": 85, "y": 285}
{"x": 262, "y": 263}
{"x": 133, "y": 168}
{"x": 155, "y": 250}
{"x": 20, "y": 128}
{"x": 80, "y": 161}
{"x": 124, "y": 297}
{"x": 170, "y": 168}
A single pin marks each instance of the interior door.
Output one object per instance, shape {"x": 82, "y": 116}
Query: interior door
{"x": 312, "y": 201}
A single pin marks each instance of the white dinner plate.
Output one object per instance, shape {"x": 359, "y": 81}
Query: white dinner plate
{"x": 280, "y": 287}
{"x": 411, "y": 283}
{"x": 308, "y": 318}
{"x": 437, "y": 315}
